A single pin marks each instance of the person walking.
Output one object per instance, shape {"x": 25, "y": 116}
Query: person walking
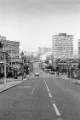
{"x": 57, "y": 69}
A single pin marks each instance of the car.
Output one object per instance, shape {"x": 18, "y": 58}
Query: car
{"x": 52, "y": 72}
{"x": 37, "y": 74}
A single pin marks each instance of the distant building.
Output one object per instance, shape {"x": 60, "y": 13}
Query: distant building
{"x": 43, "y": 50}
{"x": 62, "y": 45}
{"x": 45, "y": 56}
{"x": 11, "y": 47}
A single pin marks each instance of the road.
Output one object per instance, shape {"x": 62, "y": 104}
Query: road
{"x": 41, "y": 98}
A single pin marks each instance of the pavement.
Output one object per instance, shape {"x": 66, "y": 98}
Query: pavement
{"x": 11, "y": 82}
{"x": 64, "y": 77}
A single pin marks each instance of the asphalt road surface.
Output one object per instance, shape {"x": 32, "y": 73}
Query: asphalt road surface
{"x": 41, "y": 98}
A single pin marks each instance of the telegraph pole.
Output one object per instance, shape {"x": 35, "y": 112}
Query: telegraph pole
{"x": 22, "y": 57}
{"x": 5, "y": 69}
{"x": 11, "y": 56}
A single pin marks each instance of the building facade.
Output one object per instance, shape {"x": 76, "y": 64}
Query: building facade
{"x": 78, "y": 48}
{"x": 62, "y": 46}
{"x": 11, "y": 48}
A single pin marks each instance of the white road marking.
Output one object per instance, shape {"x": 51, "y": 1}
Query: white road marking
{"x": 50, "y": 95}
{"x": 33, "y": 90}
{"x": 54, "y": 105}
{"x": 56, "y": 110}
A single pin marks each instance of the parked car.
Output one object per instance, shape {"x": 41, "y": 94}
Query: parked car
{"x": 52, "y": 72}
{"x": 37, "y": 74}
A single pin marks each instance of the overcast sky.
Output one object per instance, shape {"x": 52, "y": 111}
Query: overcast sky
{"x": 33, "y": 22}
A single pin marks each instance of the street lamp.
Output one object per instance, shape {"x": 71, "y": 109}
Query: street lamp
{"x": 11, "y": 56}
{"x": 5, "y": 81}
{"x": 22, "y": 57}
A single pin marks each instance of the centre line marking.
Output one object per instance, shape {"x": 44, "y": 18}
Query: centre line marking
{"x": 54, "y": 105}
{"x": 50, "y": 95}
{"x": 33, "y": 90}
{"x": 56, "y": 110}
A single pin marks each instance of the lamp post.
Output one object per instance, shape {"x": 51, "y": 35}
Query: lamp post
{"x": 22, "y": 57}
{"x": 5, "y": 81}
{"x": 11, "y": 56}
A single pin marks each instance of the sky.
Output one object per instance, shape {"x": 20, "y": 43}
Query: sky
{"x": 33, "y": 22}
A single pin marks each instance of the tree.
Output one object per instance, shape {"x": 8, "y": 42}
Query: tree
{"x": 1, "y": 45}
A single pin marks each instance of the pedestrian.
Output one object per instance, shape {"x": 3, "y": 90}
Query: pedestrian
{"x": 15, "y": 73}
{"x": 57, "y": 69}
{"x": 22, "y": 75}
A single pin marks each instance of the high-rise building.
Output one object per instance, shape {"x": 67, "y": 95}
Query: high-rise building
{"x": 62, "y": 45}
